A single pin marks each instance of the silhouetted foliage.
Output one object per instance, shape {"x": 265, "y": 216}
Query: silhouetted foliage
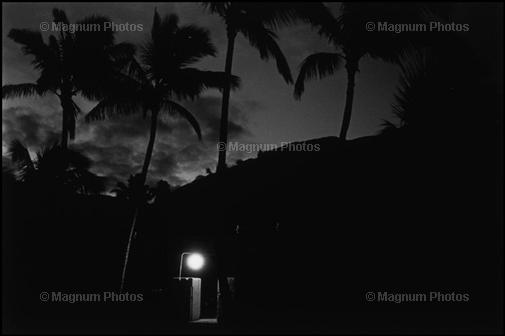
{"x": 257, "y": 23}
{"x": 350, "y": 35}
{"x": 80, "y": 62}
{"x": 55, "y": 169}
{"x": 164, "y": 74}
{"x": 433, "y": 93}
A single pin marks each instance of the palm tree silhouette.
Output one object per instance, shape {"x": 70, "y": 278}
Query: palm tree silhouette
{"x": 257, "y": 23}
{"x": 354, "y": 35}
{"x": 55, "y": 168}
{"x": 80, "y": 62}
{"x": 164, "y": 73}
{"x": 431, "y": 87}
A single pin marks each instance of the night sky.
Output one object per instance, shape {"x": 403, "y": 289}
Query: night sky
{"x": 262, "y": 111}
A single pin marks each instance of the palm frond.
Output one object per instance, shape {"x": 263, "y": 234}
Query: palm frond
{"x": 193, "y": 43}
{"x": 169, "y": 25}
{"x": 96, "y": 60}
{"x": 163, "y": 29}
{"x": 122, "y": 54}
{"x": 156, "y": 24}
{"x": 175, "y": 108}
{"x": 134, "y": 71}
{"x": 413, "y": 89}
{"x": 33, "y": 44}
{"x": 332, "y": 30}
{"x": 317, "y": 65}
{"x": 113, "y": 107}
{"x": 94, "y": 40}
{"x": 173, "y": 47}
{"x": 264, "y": 40}
{"x": 21, "y": 158}
{"x": 219, "y": 8}
{"x": 59, "y": 16}
{"x": 19, "y": 153}
{"x": 388, "y": 46}
{"x": 388, "y": 127}
{"x": 49, "y": 81}
{"x": 189, "y": 83}
{"x": 21, "y": 90}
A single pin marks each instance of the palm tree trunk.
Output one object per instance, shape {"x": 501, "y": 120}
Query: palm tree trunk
{"x": 67, "y": 111}
{"x": 223, "y": 131}
{"x": 224, "y": 289}
{"x": 64, "y": 123}
{"x": 142, "y": 181}
{"x": 128, "y": 246}
{"x": 150, "y": 145}
{"x": 352, "y": 68}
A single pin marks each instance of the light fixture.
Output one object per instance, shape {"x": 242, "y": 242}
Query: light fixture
{"x": 195, "y": 262}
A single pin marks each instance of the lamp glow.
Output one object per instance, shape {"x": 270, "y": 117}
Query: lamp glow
{"x": 195, "y": 261}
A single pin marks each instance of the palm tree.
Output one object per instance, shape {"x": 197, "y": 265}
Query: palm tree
{"x": 55, "y": 169}
{"x": 348, "y": 34}
{"x": 79, "y": 62}
{"x": 165, "y": 73}
{"x": 432, "y": 92}
{"x": 257, "y": 23}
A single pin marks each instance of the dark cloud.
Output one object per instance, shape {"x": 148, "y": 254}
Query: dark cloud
{"x": 27, "y": 125}
{"x": 117, "y": 146}
{"x": 164, "y": 164}
{"x": 262, "y": 111}
{"x": 208, "y": 112}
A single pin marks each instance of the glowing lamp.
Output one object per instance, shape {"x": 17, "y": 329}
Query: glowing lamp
{"x": 194, "y": 261}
